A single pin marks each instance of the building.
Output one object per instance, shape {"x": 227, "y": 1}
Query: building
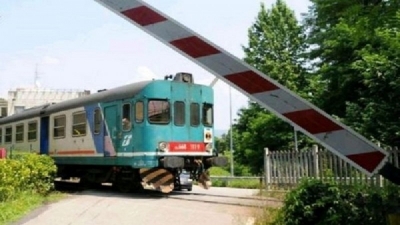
{"x": 24, "y": 98}
{"x": 3, "y": 107}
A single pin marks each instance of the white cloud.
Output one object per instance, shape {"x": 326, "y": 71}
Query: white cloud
{"x": 48, "y": 60}
{"x": 146, "y": 74}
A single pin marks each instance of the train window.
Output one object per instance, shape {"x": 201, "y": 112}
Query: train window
{"x": 97, "y": 121}
{"x": 59, "y": 127}
{"x": 139, "y": 112}
{"x": 32, "y": 131}
{"x": 194, "y": 114}
{"x": 8, "y": 135}
{"x": 158, "y": 111}
{"x": 207, "y": 114}
{"x": 79, "y": 124}
{"x": 19, "y": 133}
{"x": 179, "y": 113}
{"x": 126, "y": 117}
{"x": 1, "y": 135}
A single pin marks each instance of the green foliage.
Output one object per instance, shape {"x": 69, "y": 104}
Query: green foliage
{"x": 28, "y": 172}
{"x": 315, "y": 202}
{"x": 218, "y": 171}
{"x": 237, "y": 183}
{"x": 356, "y": 50}
{"x": 257, "y": 129}
{"x": 42, "y": 172}
{"x": 23, "y": 203}
{"x": 276, "y": 47}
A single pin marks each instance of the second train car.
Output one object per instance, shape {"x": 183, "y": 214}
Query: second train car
{"x": 136, "y": 136}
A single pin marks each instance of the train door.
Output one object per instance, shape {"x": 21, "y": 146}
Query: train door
{"x": 112, "y": 137}
{"x": 126, "y": 127}
{"x": 44, "y": 135}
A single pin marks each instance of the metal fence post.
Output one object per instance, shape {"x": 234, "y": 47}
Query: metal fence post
{"x": 267, "y": 169}
{"x": 315, "y": 160}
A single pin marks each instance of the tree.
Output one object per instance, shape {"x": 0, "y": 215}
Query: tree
{"x": 276, "y": 46}
{"x": 355, "y": 50}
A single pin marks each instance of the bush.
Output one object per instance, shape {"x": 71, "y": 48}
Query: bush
{"x": 42, "y": 171}
{"x": 315, "y": 202}
{"x": 29, "y": 172}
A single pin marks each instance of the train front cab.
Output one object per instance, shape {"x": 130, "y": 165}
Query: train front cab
{"x": 178, "y": 133}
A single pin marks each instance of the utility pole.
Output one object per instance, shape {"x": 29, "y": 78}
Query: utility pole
{"x": 36, "y": 77}
{"x": 296, "y": 148}
{"x": 231, "y": 131}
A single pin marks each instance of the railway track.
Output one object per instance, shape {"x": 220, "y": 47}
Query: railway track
{"x": 222, "y": 199}
{"x": 245, "y": 201}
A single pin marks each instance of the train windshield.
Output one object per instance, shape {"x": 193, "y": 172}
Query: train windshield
{"x": 207, "y": 114}
{"x": 159, "y": 111}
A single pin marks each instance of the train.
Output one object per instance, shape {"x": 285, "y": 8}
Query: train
{"x": 136, "y": 136}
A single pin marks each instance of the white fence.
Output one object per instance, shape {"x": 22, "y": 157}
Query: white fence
{"x": 284, "y": 169}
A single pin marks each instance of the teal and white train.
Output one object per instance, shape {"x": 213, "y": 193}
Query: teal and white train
{"x": 138, "y": 135}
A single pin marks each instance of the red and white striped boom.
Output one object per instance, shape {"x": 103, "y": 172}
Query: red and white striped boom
{"x": 312, "y": 121}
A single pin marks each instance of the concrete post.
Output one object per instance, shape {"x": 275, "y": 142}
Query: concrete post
{"x": 267, "y": 169}
{"x": 315, "y": 160}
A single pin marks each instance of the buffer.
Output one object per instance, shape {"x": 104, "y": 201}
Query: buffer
{"x": 333, "y": 135}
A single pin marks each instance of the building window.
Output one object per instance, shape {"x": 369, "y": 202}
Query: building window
{"x": 1, "y": 135}
{"x": 19, "y": 133}
{"x": 179, "y": 113}
{"x": 158, "y": 111}
{"x": 139, "y": 112}
{"x": 32, "y": 131}
{"x": 194, "y": 114}
{"x": 207, "y": 114}
{"x": 126, "y": 117}
{"x": 3, "y": 112}
{"x": 59, "y": 126}
{"x": 79, "y": 124}
{"x": 97, "y": 121}
{"x": 8, "y": 135}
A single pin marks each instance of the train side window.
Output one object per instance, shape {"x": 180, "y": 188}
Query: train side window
{"x": 59, "y": 126}
{"x": 158, "y": 111}
{"x": 139, "y": 112}
{"x": 179, "y": 113}
{"x": 32, "y": 131}
{"x": 78, "y": 124}
{"x": 126, "y": 117}
{"x": 8, "y": 135}
{"x": 1, "y": 135}
{"x": 97, "y": 121}
{"x": 207, "y": 114}
{"x": 19, "y": 132}
{"x": 194, "y": 114}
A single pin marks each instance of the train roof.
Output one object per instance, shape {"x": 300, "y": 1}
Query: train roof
{"x": 126, "y": 91}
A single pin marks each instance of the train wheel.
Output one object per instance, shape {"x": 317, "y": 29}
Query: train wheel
{"x": 158, "y": 179}
{"x": 85, "y": 183}
{"x": 124, "y": 186}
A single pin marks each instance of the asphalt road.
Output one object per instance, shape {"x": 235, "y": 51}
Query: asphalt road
{"x": 199, "y": 207}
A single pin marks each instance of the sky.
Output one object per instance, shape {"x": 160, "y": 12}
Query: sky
{"x": 81, "y": 45}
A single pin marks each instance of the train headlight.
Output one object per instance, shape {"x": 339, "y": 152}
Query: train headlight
{"x": 209, "y": 147}
{"x": 162, "y": 146}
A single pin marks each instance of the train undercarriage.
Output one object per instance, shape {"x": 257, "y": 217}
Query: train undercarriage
{"x": 128, "y": 179}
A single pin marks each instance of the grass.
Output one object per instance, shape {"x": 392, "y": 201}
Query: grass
{"x": 277, "y": 194}
{"x": 15, "y": 209}
{"x": 267, "y": 216}
{"x": 237, "y": 183}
